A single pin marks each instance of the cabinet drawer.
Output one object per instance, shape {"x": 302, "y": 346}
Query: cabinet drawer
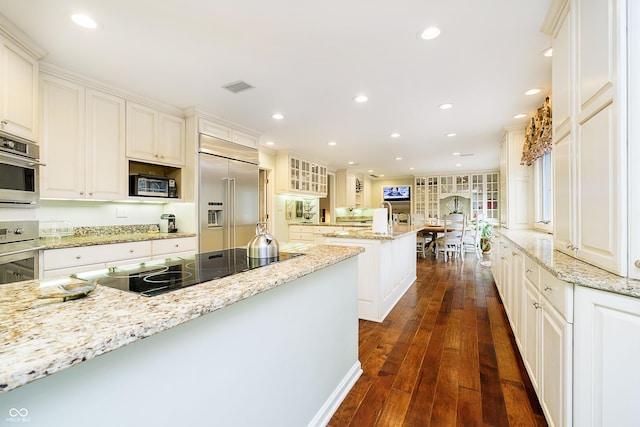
{"x": 558, "y": 293}
{"x": 301, "y": 237}
{"x": 532, "y": 271}
{"x": 300, "y": 229}
{"x": 85, "y": 255}
{"x": 171, "y": 246}
{"x": 326, "y": 230}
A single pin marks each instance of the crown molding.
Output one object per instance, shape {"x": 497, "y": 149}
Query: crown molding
{"x": 555, "y": 16}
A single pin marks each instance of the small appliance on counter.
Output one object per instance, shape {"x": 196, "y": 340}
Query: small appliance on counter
{"x": 263, "y": 248}
{"x": 168, "y": 223}
{"x": 152, "y": 186}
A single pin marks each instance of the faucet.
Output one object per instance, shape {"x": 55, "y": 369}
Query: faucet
{"x": 390, "y": 220}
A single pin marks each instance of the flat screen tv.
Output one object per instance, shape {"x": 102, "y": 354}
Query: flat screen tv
{"x": 396, "y": 194}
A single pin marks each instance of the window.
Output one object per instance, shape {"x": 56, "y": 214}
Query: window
{"x": 544, "y": 194}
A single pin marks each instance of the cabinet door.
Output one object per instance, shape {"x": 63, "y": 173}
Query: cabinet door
{"x": 63, "y": 140}
{"x": 563, "y": 203}
{"x": 19, "y": 91}
{"x": 556, "y": 367}
{"x": 606, "y": 348}
{"x": 171, "y": 140}
{"x": 106, "y": 175}
{"x": 142, "y": 132}
{"x": 531, "y": 334}
{"x": 245, "y": 138}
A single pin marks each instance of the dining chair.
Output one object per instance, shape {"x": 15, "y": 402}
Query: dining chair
{"x": 450, "y": 244}
{"x": 471, "y": 238}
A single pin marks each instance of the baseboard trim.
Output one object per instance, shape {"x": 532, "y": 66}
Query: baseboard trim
{"x": 335, "y": 399}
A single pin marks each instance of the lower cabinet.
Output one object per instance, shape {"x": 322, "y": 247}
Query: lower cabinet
{"x": 607, "y": 372}
{"x": 540, "y": 309}
{"x": 66, "y": 261}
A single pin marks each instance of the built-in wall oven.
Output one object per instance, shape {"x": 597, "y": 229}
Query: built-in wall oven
{"x": 19, "y": 164}
{"x": 19, "y": 245}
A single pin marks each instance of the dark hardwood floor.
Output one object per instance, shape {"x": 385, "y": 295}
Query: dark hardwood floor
{"x": 444, "y": 356}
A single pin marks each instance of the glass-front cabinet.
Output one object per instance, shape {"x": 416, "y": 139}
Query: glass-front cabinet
{"x": 475, "y": 194}
{"x": 298, "y": 176}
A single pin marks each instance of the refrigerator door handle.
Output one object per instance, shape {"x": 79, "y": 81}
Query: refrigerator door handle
{"x": 232, "y": 196}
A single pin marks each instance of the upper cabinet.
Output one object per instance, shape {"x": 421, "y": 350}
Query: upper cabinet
{"x": 590, "y": 130}
{"x": 298, "y": 176}
{"x": 514, "y": 182}
{"x": 351, "y": 191}
{"x": 228, "y": 131}
{"x": 83, "y": 144}
{"x": 154, "y": 136}
{"x": 19, "y": 90}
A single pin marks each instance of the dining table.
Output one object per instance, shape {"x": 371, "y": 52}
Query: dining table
{"x": 433, "y": 230}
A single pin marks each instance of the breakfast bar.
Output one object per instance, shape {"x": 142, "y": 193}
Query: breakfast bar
{"x": 233, "y": 351}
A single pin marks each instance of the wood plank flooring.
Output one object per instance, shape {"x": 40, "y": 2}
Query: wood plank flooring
{"x": 444, "y": 356}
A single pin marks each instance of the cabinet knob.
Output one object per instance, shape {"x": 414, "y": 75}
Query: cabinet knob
{"x": 177, "y": 245}
{"x": 78, "y": 256}
{"x": 528, "y": 270}
{"x": 4, "y": 123}
{"x": 536, "y": 305}
{"x": 82, "y": 193}
{"x": 637, "y": 263}
{"x": 130, "y": 251}
{"x": 547, "y": 288}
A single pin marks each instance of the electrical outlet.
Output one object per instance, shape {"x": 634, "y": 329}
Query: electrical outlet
{"x": 121, "y": 212}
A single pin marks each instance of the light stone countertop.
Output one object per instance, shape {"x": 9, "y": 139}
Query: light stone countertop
{"x": 539, "y": 246}
{"x": 398, "y": 231}
{"x": 39, "y": 337}
{"x": 334, "y": 224}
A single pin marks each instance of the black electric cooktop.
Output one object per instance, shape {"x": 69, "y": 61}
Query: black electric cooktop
{"x": 158, "y": 277}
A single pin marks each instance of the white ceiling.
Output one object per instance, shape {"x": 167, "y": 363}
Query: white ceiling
{"x": 308, "y": 60}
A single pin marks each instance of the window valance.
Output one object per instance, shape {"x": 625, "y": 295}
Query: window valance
{"x": 538, "y": 135}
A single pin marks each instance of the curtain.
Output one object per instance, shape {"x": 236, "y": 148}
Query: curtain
{"x": 538, "y": 137}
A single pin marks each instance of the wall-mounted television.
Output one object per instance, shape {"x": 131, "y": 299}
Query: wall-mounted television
{"x": 397, "y": 193}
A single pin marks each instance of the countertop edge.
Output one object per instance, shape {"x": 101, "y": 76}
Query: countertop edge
{"x": 107, "y": 239}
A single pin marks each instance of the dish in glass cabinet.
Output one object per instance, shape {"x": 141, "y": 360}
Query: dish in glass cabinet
{"x": 66, "y": 288}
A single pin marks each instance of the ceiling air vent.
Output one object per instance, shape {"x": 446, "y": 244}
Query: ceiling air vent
{"x": 237, "y": 87}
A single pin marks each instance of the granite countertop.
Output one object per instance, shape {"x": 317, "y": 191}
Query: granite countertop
{"x": 335, "y": 224}
{"x": 105, "y": 239}
{"x": 539, "y": 246}
{"x": 398, "y": 231}
{"x": 39, "y": 337}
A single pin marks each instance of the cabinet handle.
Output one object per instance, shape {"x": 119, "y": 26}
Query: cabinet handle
{"x": 528, "y": 270}
{"x": 130, "y": 251}
{"x": 4, "y": 123}
{"x": 78, "y": 256}
{"x": 514, "y": 253}
{"x": 547, "y": 288}
{"x": 637, "y": 263}
{"x": 177, "y": 245}
{"x": 82, "y": 193}
{"x": 536, "y": 305}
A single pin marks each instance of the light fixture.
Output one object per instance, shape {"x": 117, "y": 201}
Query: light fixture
{"x": 352, "y": 163}
{"x": 361, "y": 98}
{"x": 370, "y": 171}
{"x": 278, "y": 116}
{"x": 547, "y": 52}
{"x": 84, "y": 21}
{"x": 532, "y": 91}
{"x": 411, "y": 168}
{"x": 451, "y": 134}
{"x": 395, "y": 135}
{"x": 381, "y": 175}
{"x": 520, "y": 116}
{"x": 445, "y": 106}
{"x": 269, "y": 143}
{"x": 332, "y": 143}
{"x": 458, "y": 164}
{"x": 430, "y": 33}
{"x": 457, "y": 153}
{"x": 398, "y": 158}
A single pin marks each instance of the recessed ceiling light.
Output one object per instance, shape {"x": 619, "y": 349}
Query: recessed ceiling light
{"x": 84, "y": 21}
{"x": 445, "y": 106}
{"x": 520, "y": 116}
{"x": 547, "y": 52}
{"x": 381, "y": 175}
{"x": 269, "y": 142}
{"x": 411, "y": 168}
{"x": 451, "y": 134}
{"x": 332, "y": 143}
{"x": 398, "y": 158}
{"x": 430, "y": 33}
{"x": 352, "y": 163}
{"x": 532, "y": 91}
{"x": 395, "y": 135}
{"x": 458, "y": 164}
{"x": 278, "y": 116}
{"x": 457, "y": 153}
{"x": 361, "y": 98}
{"x": 370, "y": 171}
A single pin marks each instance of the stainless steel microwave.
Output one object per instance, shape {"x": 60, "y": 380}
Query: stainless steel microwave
{"x": 152, "y": 186}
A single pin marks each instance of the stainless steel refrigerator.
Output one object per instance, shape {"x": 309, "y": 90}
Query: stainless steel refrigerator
{"x": 228, "y": 194}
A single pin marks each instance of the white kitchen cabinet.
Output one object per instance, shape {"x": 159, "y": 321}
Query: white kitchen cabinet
{"x": 514, "y": 182}
{"x": 590, "y": 126}
{"x": 19, "y": 93}
{"x": 420, "y": 196}
{"x": 607, "y": 373}
{"x": 65, "y": 261}
{"x": 347, "y": 194}
{"x": 516, "y": 289}
{"x": 84, "y": 128}
{"x": 181, "y": 246}
{"x": 228, "y": 132}
{"x": 301, "y": 177}
{"x": 154, "y": 136}
{"x": 301, "y": 234}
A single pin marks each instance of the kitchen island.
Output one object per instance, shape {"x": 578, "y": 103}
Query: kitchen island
{"x": 277, "y": 345}
{"x": 386, "y": 268}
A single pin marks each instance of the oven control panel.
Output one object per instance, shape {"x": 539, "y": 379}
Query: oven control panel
{"x": 16, "y": 231}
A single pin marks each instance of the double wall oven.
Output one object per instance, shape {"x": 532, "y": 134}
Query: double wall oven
{"x": 19, "y": 165}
